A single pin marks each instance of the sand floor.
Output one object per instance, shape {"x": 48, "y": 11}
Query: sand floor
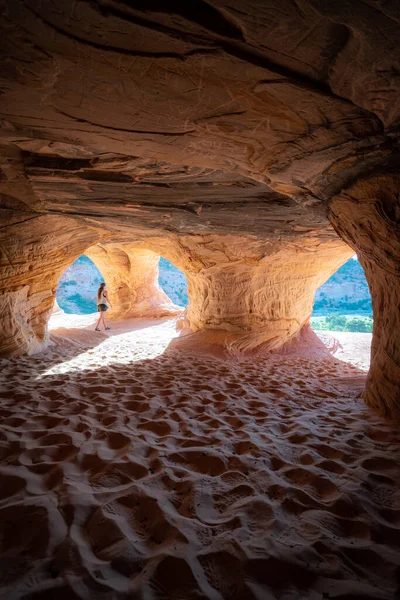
{"x": 354, "y": 348}
{"x": 131, "y": 469}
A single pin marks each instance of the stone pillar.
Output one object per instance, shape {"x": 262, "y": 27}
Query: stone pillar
{"x": 262, "y": 303}
{"x": 131, "y": 275}
{"x": 367, "y": 217}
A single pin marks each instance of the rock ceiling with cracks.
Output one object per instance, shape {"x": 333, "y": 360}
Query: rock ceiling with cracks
{"x": 253, "y": 143}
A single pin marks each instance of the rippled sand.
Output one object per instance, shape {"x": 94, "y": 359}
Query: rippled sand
{"x": 131, "y": 469}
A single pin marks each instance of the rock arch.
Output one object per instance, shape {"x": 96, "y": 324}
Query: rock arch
{"x": 258, "y": 295}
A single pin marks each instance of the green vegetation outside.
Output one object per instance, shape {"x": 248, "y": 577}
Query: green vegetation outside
{"x": 342, "y": 323}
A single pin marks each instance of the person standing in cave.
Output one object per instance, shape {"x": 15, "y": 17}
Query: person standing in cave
{"x": 102, "y": 306}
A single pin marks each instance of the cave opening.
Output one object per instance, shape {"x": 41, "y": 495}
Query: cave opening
{"x": 174, "y": 282}
{"x": 157, "y": 278}
{"x": 77, "y": 289}
{"x": 342, "y": 311}
{"x": 146, "y": 292}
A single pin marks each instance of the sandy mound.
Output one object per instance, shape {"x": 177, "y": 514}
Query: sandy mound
{"x": 130, "y": 470}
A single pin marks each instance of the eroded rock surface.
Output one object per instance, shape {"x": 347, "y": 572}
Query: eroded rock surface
{"x": 368, "y": 218}
{"x": 213, "y": 133}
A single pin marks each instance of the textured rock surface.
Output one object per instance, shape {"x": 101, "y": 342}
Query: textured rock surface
{"x": 216, "y": 134}
{"x": 263, "y": 299}
{"x": 368, "y": 217}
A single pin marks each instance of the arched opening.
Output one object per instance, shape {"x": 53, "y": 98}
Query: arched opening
{"x": 140, "y": 284}
{"x": 76, "y": 291}
{"x": 174, "y": 282}
{"x": 342, "y": 314}
{"x": 142, "y": 316}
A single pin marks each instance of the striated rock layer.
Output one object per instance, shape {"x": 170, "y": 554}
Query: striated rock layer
{"x": 219, "y": 135}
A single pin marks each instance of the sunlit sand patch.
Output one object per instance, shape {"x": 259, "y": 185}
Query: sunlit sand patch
{"x": 60, "y": 319}
{"x": 354, "y": 348}
{"x": 119, "y": 346}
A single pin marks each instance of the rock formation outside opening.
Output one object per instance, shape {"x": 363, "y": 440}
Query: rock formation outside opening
{"x": 342, "y": 315}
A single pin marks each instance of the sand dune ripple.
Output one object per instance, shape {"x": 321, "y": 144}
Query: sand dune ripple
{"x": 185, "y": 476}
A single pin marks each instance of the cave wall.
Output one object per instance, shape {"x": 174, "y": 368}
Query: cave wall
{"x": 35, "y": 248}
{"x": 33, "y": 255}
{"x": 367, "y": 216}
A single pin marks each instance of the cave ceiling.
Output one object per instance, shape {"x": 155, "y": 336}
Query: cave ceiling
{"x": 196, "y": 117}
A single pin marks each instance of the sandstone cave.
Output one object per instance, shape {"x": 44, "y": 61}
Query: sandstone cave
{"x": 222, "y": 451}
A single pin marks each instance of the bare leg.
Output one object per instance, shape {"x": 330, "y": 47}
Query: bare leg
{"x": 98, "y": 321}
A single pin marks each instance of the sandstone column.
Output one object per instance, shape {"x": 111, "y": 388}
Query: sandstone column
{"x": 131, "y": 275}
{"x": 367, "y": 216}
{"x": 261, "y": 303}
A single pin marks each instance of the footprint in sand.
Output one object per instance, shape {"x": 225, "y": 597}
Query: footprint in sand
{"x": 159, "y": 428}
{"x": 227, "y": 500}
{"x": 379, "y": 464}
{"x": 138, "y": 406}
{"x": 200, "y": 462}
{"x": 11, "y": 486}
{"x": 318, "y": 486}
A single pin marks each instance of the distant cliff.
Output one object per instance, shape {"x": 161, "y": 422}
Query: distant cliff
{"x": 173, "y": 282}
{"x": 77, "y": 290}
{"x": 346, "y": 292}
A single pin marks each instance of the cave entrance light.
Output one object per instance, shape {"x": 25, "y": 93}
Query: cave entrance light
{"x": 158, "y": 287}
{"x": 342, "y": 314}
